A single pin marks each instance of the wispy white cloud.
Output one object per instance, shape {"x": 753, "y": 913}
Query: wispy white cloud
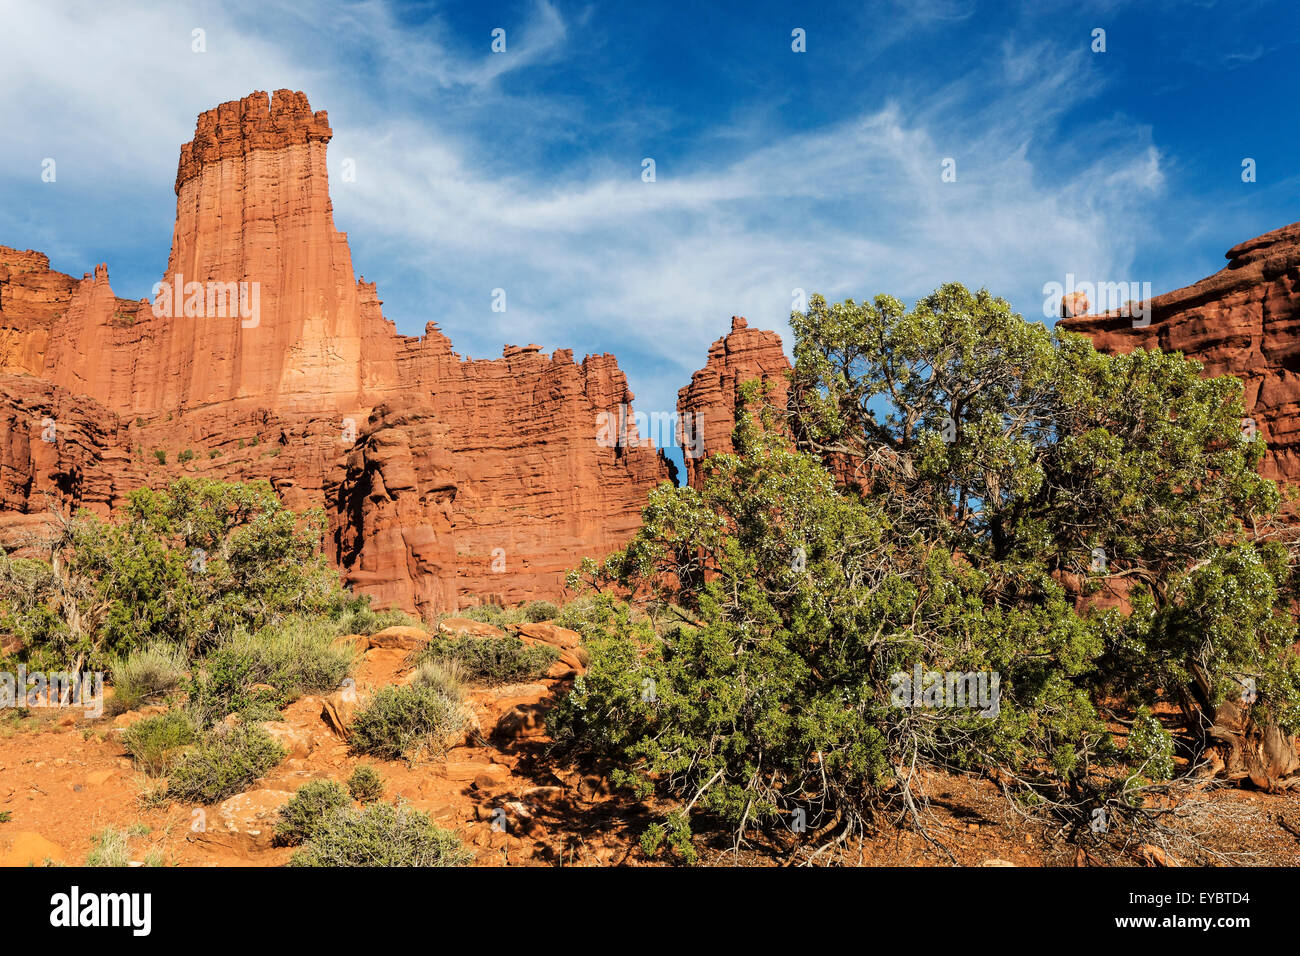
{"x": 454, "y": 197}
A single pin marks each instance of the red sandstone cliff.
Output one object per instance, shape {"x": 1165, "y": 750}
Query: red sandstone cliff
{"x": 32, "y": 298}
{"x": 1244, "y": 321}
{"x": 709, "y": 403}
{"x": 445, "y": 480}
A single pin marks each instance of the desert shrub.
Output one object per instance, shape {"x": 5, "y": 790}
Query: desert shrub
{"x": 148, "y": 674}
{"x": 185, "y": 456}
{"x": 381, "y": 835}
{"x": 294, "y": 657}
{"x": 160, "y": 455}
{"x": 492, "y": 660}
{"x": 223, "y": 684}
{"x": 111, "y": 847}
{"x": 538, "y": 611}
{"x": 443, "y": 675}
{"x": 307, "y": 810}
{"x": 408, "y": 721}
{"x": 156, "y": 742}
{"x": 365, "y": 784}
{"x": 590, "y": 613}
{"x": 493, "y": 614}
{"x": 1150, "y": 751}
{"x": 361, "y": 618}
{"x": 227, "y": 761}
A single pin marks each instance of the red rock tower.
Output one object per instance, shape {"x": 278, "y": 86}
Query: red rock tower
{"x": 254, "y": 223}
{"x": 709, "y": 403}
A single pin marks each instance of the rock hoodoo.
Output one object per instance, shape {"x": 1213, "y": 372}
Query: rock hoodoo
{"x": 710, "y": 402}
{"x": 262, "y": 355}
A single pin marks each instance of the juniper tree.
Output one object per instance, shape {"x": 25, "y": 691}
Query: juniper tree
{"x": 937, "y": 498}
{"x": 189, "y": 566}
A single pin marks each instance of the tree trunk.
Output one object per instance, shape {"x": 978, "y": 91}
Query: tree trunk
{"x": 1240, "y": 748}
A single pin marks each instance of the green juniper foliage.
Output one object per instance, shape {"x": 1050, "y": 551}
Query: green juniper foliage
{"x": 943, "y": 487}
{"x": 188, "y": 566}
{"x": 307, "y": 810}
{"x": 1150, "y": 749}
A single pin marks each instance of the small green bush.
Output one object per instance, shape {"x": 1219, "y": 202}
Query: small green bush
{"x": 538, "y": 611}
{"x": 1150, "y": 747}
{"x": 155, "y": 743}
{"x": 365, "y": 784}
{"x": 185, "y": 455}
{"x": 589, "y": 614}
{"x": 363, "y": 619}
{"x": 148, "y": 674}
{"x": 223, "y": 686}
{"x": 228, "y": 761}
{"x": 406, "y": 721}
{"x": 492, "y": 660}
{"x": 443, "y": 675}
{"x": 381, "y": 835}
{"x": 493, "y": 614}
{"x": 161, "y": 455}
{"x": 295, "y": 657}
{"x": 111, "y": 847}
{"x": 307, "y": 810}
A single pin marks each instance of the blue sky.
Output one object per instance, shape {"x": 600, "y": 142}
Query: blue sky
{"x": 775, "y": 170}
